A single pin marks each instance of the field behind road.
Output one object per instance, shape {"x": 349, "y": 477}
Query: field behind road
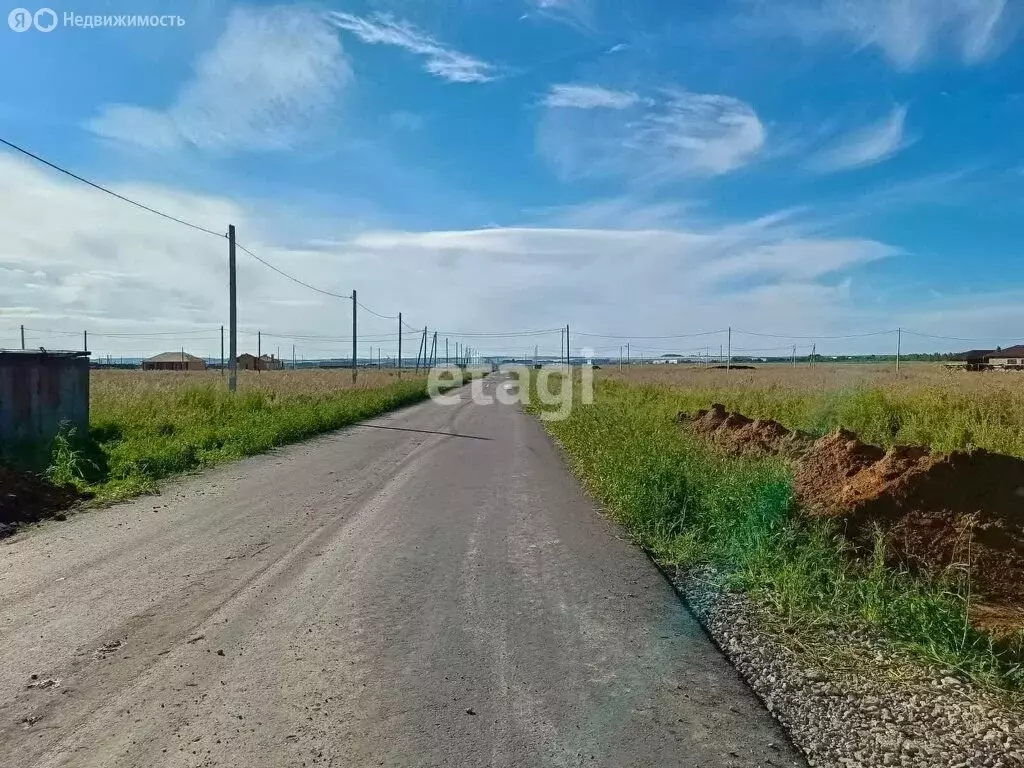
{"x": 924, "y": 404}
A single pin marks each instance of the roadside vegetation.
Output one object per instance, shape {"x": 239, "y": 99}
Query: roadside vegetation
{"x": 924, "y": 405}
{"x": 146, "y": 427}
{"x": 691, "y": 506}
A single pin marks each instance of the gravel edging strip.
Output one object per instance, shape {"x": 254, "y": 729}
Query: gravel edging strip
{"x": 849, "y": 700}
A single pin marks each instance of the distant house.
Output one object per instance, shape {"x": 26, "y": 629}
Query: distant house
{"x": 247, "y": 362}
{"x": 973, "y": 359}
{"x": 1010, "y": 358}
{"x": 174, "y": 361}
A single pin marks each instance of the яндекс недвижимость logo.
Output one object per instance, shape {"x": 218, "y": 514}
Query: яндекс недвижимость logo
{"x": 22, "y": 19}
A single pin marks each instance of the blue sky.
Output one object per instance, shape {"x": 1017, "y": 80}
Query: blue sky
{"x": 806, "y": 169}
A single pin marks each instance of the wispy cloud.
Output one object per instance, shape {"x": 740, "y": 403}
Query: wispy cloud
{"x": 575, "y": 13}
{"x": 446, "y": 63}
{"x": 589, "y": 97}
{"x": 866, "y": 146}
{"x": 908, "y": 32}
{"x": 675, "y": 135}
{"x": 270, "y": 77}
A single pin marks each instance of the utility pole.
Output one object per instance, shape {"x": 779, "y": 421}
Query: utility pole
{"x": 620, "y": 357}
{"x": 627, "y": 355}
{"x": 433, "y": 352}
{"x": 378, "y": 359}
{"x": 814, "y": 347}
{"x": 354, "y": 353}
{"x": 23, "y": 337}
{"x": 293, "y": 357}
{"x": 399, "y": 345}
{"x": 222, "y": 351}
{"x": 794, "y": 355}
{"x": 85, "y": 341}
{"x": 446, "y": 360}
{"x": 568, "y": 354}
{"x": 421, "y": 350}
{"x": 259, "y": 351}
{"x": 899, "y": 345}
{"x": 728, "y": 362}
{"x": 233, "y": 319}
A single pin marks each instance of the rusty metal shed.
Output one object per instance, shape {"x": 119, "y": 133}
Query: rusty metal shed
{"x": 40, "y": 390}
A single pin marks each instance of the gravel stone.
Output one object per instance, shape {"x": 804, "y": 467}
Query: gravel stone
{"x": 849, "y": 699}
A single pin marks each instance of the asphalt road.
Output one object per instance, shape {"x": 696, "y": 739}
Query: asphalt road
{"x": 430, "y": 589}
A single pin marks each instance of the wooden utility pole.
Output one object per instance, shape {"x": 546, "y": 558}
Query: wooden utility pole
{"x": 259, "y": 351}
{"x": 353, "y": 335}
{"x": 447, "y": 361}
{"x": 222, "y": 350}
{"x": 899, "y": 345}
{"x": 85, "y": 341}
{"x": 728, "y": 361}
{"x": 399, "y": 345}
{"x": 23, "y": 337}
{"x": 233, "y": 316}
{"x": 794, "y": 355}
{"x": 568, "y": 355}
{"x": 293, "y": 357}
{"x": 433, "y": 356}
{"x": 423, "y": 348}
{"x": 627, "y": 355}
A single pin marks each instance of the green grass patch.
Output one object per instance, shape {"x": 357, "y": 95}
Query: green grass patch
{"x": 689, "y": 505}
{"x": 135, "y": 442}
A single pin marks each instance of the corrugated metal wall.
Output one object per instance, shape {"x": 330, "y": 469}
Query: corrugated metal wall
{"x": 39, "y": 391}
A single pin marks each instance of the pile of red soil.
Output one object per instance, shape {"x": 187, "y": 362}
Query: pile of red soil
{"x": 962, "y": 513}
{"x": 738, "y": 435}
{"x": 25, "y": 498}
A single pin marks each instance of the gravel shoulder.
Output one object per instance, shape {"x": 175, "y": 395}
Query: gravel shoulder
{"x": 847, "y": 699}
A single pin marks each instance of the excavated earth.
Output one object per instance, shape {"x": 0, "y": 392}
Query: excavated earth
{"x": 961, "y": 513}
{"x": 26, "y": 498}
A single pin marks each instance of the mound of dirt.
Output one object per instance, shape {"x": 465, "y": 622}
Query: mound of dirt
{"x": 738, "y": 435}
{"x": 939, "y": 510}
{"x": 25, "y": 498}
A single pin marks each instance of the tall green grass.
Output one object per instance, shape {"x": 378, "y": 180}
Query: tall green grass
{"x": 944, "y": 419}
{"x": 689, "y": 505}
{"x": 137, "y": 441}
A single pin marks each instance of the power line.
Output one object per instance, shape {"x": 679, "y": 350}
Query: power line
{"x": 675, "y": 336}
{"x": 797, "y": 336}
{"x": 377, "y": 314}
{"x": 292, "y": 277}
{"x": 167, "y": 216}
{"x": 101, "y": 188}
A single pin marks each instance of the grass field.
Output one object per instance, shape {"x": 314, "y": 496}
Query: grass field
{"x": 924, "y": 404}
{"x": 689, "y": 505}
{"x": 145, "y": 427}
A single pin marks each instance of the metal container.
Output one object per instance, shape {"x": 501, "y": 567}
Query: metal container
{"x": 40, "y": 391}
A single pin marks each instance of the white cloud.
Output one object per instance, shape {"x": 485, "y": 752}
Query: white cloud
{"x": 589, "y": 97}
{"x": 446, "y": 63}
{"x": 73, "y": 258}
{"x": 908, "y": 32}
{"x": 264, "y": 85}
{"x": 680, "y": 134}
{"x": 867, "y": 146}
{"x": 575, "y": 13}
